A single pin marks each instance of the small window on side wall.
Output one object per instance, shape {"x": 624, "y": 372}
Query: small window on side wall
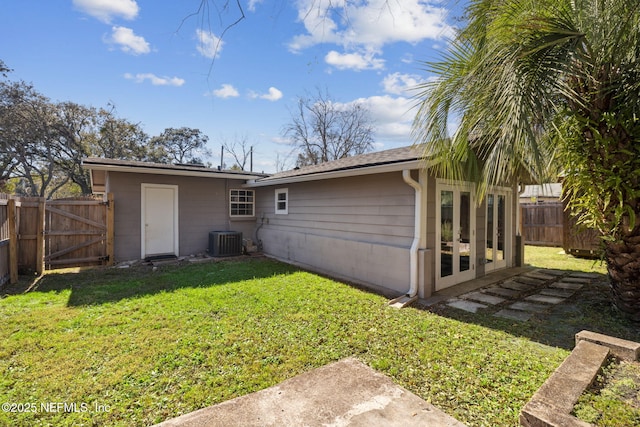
{"x": 241, "y": 203}
{"x": 282, "y": 201}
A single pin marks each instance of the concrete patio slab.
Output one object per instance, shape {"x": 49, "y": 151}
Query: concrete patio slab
{"x": 470, "y": 306}
{"x": 521, "y": 316}
{"x": 344, "y": 393}
{"x": 483, "y": 298}
{"x": 555, "y": 292}
{"x": 529, "y": 306}
{"x": 539, "y": 275}
{"x": 517, "y": 286}
{"x": 503, "y": 292}
{"x": 551, "y": 272}
{"x": 545, "y": 299}
{"x": 572, "y": 279}
{"x": 586, "y": 275}
{"x": 529, "y": 280}
{"x": 566, "y": 285}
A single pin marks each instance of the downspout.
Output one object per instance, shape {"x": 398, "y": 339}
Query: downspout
{"x": 417, "y": 232}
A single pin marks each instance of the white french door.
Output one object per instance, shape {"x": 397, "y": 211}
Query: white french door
{"x": 498, "y": 237}
{"x": 455, "y": 233}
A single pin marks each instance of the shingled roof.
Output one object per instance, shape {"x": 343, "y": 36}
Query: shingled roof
{"x": 97, "y": 163}
{"x": 396, "y": 156}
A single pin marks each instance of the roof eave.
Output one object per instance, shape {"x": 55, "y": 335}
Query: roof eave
{"x": 155, "y": 170}
{"x": 343, "y": 173}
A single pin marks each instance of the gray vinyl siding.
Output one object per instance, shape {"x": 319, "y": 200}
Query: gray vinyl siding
{"x": 357, "y": 228}
{"x": 202, "y": 207}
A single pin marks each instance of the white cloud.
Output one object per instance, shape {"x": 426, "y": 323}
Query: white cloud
{"x": 128, "y": 41}
{"x": 253, "y": 3}
{"x": 226, "y": 91}
{"x": 273, "y": 94}
{"x": 407, "y": 58}
{"x": 155, "y": 80}
{"x": 354, "y": 61}
{"x": 106, "y": 10}
{"x": 392, "y": 117}
{"x": 209, "y": 45}
{"x": 370, "y": 23}
{"x": 401, "y": 84}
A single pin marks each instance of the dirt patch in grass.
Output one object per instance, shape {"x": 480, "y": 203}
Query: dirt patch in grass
{"x": 614, "y": 399}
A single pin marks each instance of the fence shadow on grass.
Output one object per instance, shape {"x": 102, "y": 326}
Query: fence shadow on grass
{"x": 106, "y": 285}
{"x": 590, "y": 308}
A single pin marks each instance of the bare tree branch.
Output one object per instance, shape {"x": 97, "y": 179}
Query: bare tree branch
{"x": 240, "y": 150}
{"x": 324, "y": 130}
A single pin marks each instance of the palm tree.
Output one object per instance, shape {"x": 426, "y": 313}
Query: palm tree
{"x": 544, "y": 86}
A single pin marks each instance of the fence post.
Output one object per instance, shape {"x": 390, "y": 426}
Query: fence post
{"x": 110, "y": 229}
{"x": 13, "y": 241}
{"x": 40, "y": 237}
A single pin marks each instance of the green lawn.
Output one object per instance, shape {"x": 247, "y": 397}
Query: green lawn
{"x": 545, "y": 257}
{"x": 135, "y": 346}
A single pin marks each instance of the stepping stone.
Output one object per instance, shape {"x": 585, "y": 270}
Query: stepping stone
{"x": 571, "y": 279}
{"x": 586, "y": 275}
{"x": 555, "y": 292}
{"x": 545, "y": 299}
{"x": 503, "y": 292}
{"x": 483, "y": 298}
{"x": 516, "y": 286}
{"x": 470, "y": 306}
{"x": 521, "y": 316}
{"x": 529, "y": 280}
{"x": 529, "y": 306}
{"x": 565, "y": 285}
{"x": 552, "y": 272}
{"x": 539, "y": 275}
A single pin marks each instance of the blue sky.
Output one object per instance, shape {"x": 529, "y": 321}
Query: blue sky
{"x": 163, "y": 67}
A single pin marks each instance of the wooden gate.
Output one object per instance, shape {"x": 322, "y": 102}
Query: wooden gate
{"x": 5, "y": 240}
{"x": 78, "y": 231}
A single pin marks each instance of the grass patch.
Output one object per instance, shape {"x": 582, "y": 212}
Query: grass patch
{"x": 548, "y": 257}
{"x": 137, "y": 346}
{"x": 614, "y": 400}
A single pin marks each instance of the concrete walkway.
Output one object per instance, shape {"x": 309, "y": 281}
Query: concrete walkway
{"x": 344, "y": 393}
{"x": 515, "y": 294}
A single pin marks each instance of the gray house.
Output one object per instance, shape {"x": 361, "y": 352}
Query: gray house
{"x": 165, "y": 210}
{"x": 379, "y": 219}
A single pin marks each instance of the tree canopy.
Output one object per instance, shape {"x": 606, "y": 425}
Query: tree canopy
{"x": 182, "y": 145}
{"x": 42, "y": 143}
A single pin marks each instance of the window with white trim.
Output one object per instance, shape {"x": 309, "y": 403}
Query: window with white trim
{"x": 282, "y": 201}
{"x": 241, "y": 203}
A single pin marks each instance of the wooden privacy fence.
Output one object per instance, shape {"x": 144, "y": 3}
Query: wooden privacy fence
{"x": 36, "y": 234}
{"x": 543, "y": 224}
{"x": 551, "y": 224}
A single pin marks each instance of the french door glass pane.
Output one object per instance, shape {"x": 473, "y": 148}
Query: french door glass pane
{"x": 490, "y": 210}
{"x": 446, "y": 233}
{"x": 464, "y": 238}
{"x": 500, "y": 231}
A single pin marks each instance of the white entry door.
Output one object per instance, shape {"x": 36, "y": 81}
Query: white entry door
{"x": 159, "y": 220}
{"x": 456, "y": 234}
